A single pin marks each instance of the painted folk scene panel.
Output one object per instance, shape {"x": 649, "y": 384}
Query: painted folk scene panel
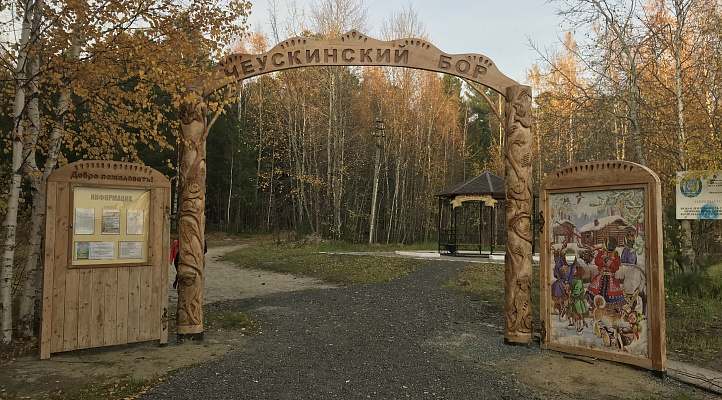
{"x": 598, "y": 271}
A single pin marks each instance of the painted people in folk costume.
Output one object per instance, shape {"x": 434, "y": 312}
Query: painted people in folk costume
{"x": 629, "y": 256}
{"x": 605, "y": 284}
{"x": 578, "y": 307}
{"x": 564, "y": 274}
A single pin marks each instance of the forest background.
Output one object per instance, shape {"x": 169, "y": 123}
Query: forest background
{"x": 352, "y": 154}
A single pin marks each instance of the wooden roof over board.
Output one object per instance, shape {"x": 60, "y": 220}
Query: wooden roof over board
{"x": 484, "y": 184}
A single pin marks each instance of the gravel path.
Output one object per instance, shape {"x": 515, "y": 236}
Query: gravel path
{"x": 225, "y": 281}
{"x": 403, "y": 339}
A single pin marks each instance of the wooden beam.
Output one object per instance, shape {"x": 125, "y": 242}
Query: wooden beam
{"x": 491, "y": 104}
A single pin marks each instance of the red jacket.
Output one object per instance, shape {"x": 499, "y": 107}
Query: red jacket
{"x": 174, "y": 250}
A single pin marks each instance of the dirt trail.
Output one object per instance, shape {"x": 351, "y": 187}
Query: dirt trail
{"x": 28, "y": 376}
{"x": 225, "y": 281}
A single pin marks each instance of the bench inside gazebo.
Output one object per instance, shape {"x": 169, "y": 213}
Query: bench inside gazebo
{"x": 471, "y": 216}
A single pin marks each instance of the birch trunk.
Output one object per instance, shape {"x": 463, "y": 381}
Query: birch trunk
{"x": 680, "y": 12}
{"x": 32, "y": 285}
{"x": 11, "y": 218}
{"x": 26, "y": 314}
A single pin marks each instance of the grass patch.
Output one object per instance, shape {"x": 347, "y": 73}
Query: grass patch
{"x": 318, "y": 261}
{"x": 481, "y": 282}
{"x": 693, "y": 312}
{"x": 337, "y": 246}
{"x": 486, "y": 282}
{"x": 694, "y": 315}
{"x": 681, "y": 396}
{"x": 224, "y": 321}
{"x": 118, "y": 389}
{"x": 419, "y": 246}
{"x": 694, "y": 326}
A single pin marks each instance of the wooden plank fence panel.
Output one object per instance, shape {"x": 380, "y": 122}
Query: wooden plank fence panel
{"x": 70, "y": 329}
{"x": 133, "y": 304}
{"x": 121, "y": 320}
{"x": 155, "y": 306}
{"x": 163, "y": 264}
{"x": 97, "y": 307}
{"x": 85, "y": 316}
{"x": 47, "y": 310}
{"x": 146, "y": 295}
{"x": 158, "y": 258}
{"x": 60, "y": 262}
{"x": 110, "y": 307}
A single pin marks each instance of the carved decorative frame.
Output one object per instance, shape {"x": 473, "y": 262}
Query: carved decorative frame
{"x": 603, "y": 187}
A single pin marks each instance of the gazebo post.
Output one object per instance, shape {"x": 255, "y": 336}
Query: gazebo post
{"x": 454, "y": 227}
{"x": 438, "y": 228}
{"x": 481, "y": 218}
{"x": 492, "y": 232}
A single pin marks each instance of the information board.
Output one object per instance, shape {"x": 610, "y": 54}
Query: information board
{"x": 107, "y": 237}
{"x": 699, "y": 195}
{"x": 110, "y": 226}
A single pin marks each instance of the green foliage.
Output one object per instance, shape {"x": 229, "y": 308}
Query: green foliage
{"x": 452, "y": 86}
{"x": 482, "y": 128}
{"x": 231, "y": 170}
{"x": 319, "y": 261}
{"x": 694, "y": 315}
{"x": 706, "y": 283}
{"x": 672, "y": 243}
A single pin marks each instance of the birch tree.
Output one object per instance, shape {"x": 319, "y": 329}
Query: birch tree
{"x": 613, "y": 54}
{"x": 102, "y": 77}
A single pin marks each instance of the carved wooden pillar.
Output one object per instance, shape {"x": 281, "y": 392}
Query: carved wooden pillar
{"x": 191, "y": 220}
{"x": 518, "y": 272}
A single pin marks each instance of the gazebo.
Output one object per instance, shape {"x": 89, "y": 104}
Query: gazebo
{"x": 471, "y": 215}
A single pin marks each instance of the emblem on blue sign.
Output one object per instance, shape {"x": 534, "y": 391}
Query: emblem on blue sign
{"x": 691, "y": 187}
{"x": 708, "y": 211}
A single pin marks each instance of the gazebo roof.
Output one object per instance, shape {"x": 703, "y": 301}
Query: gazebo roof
{"x": 484, "y": 184}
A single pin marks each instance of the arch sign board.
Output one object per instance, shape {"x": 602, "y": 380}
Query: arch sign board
{"x": 107, "y": 237}
{"x": 356, "y": 49}
{"x": 602, "y": 281}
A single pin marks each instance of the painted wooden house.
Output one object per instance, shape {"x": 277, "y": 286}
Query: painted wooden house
{"x": 596, "y": 232}
{"x": 562, "y": 231}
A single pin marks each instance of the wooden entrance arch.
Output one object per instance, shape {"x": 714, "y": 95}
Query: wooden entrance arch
{"x": 357, "y": 49}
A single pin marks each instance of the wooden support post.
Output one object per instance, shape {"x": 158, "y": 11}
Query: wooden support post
{"x": 191, "y": 221}
{"x": 518, "y": 271}
{"x": 492, "y": 231}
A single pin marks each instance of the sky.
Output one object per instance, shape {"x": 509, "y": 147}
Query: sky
{"x": 497, "y": 29}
